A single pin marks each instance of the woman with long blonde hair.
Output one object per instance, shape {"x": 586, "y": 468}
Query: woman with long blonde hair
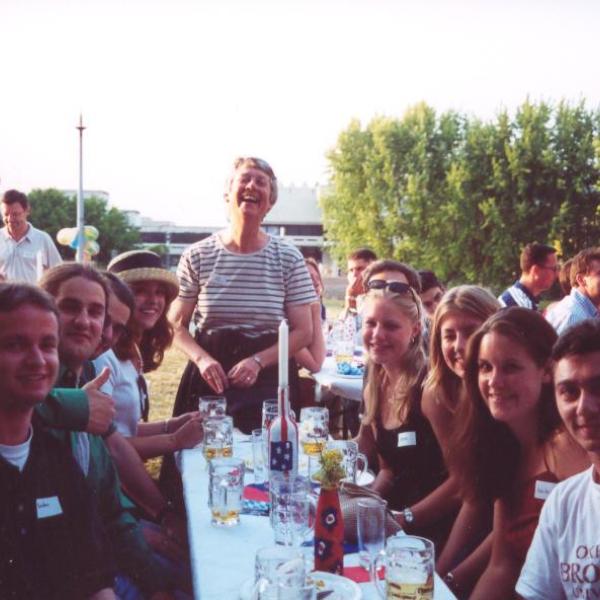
{"x": 393, "y": 428}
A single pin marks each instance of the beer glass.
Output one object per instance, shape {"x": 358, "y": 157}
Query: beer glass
{"x": 269, "y": 412}
{"x": 225, "y": 487}
{"x": 274, "y": 565}
{"x": 218, "y": 437}
{"x": 259, "y": 456}
{"x": 293, "y": 508}
{"x": 354, "y": 462}
{"x": 314, "y": 429}
{"x": 212, "y": 406}
{"x": 409, "y": 564}
{"x": 371, "y": 530}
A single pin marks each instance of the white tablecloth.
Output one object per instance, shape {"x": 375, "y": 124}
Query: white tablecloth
{"x": 223, "y": 558}
{"x": 347, "y": 387}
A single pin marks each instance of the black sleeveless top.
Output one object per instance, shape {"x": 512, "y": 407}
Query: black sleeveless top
{"x": 413, "y": 453}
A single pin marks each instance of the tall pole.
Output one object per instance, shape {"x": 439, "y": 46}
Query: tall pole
{"x": 80, "y": 204}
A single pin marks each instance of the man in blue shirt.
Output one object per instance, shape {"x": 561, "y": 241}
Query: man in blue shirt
{"x": 539, "y": 268}
{"x": 583, "y": 301}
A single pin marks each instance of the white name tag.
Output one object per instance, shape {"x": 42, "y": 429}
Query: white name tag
{"x": 407, "y": 438}
{"x": 543, "y": 489}
{"x": 217, "y": 279}
{"x": 48, "y": 507}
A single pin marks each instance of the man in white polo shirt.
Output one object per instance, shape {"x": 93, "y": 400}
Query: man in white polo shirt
{"x": 25, "y": 252}
{"x": 564, "y": 557}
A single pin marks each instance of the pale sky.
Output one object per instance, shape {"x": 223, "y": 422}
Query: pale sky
{"x": 173, "y": 90}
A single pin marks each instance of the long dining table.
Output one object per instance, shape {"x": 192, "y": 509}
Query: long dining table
{"x": 340, "y": 385}
{"x": 222, "y": 559}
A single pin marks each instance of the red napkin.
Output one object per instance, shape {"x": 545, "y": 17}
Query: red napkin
{"x": 360, "y": 575}
{"x": 253, "y": 492}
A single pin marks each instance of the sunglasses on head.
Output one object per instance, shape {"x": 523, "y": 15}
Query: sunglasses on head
{"x": 396, "y": 287}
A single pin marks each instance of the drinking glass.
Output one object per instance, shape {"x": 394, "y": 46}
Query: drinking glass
{"x": 371, "y": 531}
{"x": 409, "y": 563}
{"x": 277, "y": 564}
{"x": 351, "y": 458}
{"x": 212, "y": 406}
{"x": 226, "y": 483}
{"x": 314, "y": 429}
{"x": 269, "y": 411}
{"x": 218, "y": 437}
{"x": 292, "y": 508}
{"x": 258, "y": 455}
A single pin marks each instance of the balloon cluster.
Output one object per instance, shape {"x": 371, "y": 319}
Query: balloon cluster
{"x": 68, "y": 237}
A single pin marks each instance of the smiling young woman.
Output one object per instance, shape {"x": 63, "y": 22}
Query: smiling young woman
{"x": 509, "y": 446}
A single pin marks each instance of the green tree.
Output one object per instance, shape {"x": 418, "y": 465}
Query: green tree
{"x": 51, "y": 210}
{"x": 462, "y": 196}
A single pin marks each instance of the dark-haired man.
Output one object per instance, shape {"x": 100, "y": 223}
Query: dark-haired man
{"x": 539, "y": 269}
{"x": 358, "y": 261}
{"x": 53, "y": 545}
{"x": 24, "y": 250}
{"x": 564, "y": 558}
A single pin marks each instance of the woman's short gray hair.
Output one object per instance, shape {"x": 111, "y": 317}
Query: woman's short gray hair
{"x": 257, "y": 163}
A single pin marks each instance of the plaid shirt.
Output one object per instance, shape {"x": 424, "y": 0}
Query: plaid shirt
{"x": 570, "y": 310}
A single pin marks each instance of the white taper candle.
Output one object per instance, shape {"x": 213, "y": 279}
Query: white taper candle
{"x": 283, "y": 353}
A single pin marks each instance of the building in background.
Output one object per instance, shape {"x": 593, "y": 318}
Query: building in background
{"x": 296, "y": 216}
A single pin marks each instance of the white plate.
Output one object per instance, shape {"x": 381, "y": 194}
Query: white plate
{"x": 342, "y": 588}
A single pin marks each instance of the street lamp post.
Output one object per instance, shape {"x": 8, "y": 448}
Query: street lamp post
{"x": 80, "y": 202}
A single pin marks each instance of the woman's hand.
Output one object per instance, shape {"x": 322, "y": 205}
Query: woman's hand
{"x": 244, "y": 374}
{"x": 190, "y": 434}
{"x": 174, "y": 423}
{"x": 212, "y": 372}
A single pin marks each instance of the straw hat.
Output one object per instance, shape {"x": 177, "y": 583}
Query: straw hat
{"x": 144, "y": 265}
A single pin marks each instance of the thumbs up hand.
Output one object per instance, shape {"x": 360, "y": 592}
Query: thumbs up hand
{"x": 101, "y": 405}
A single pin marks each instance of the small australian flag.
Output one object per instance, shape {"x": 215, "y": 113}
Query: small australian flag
{"x": 281, "y": 456}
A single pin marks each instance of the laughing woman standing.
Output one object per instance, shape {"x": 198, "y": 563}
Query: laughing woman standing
{"x": 237, "y": 286}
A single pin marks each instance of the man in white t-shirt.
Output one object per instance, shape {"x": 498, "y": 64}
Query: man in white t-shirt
{"x": 564, "y": 558}
{"x": 25, "y": 252}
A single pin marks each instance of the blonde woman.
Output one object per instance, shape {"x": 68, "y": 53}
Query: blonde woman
{"x": 394, "y": 429}
{"x": 462, "y": 311}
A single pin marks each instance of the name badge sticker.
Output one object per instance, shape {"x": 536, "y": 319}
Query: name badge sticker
{"x": 543, "y": 489}
{"x": 48, "y": 507}
{"x": 217, "y": 279}
{"x": 407, "y": 438}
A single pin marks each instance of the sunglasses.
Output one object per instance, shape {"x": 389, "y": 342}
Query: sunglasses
{"x": 396, "y": 287}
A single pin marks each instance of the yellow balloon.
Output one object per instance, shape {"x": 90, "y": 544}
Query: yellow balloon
{"x": 66, "y": 235}
{"x": 91, "y": 233}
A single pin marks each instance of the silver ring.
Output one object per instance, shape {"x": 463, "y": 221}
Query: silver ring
{"x": 248, "y": 378}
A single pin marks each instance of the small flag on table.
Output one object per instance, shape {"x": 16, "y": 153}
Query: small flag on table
{"x": 281, "y": 456}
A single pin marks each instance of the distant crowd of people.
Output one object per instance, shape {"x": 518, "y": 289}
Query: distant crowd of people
{"x": 480, "y": 415}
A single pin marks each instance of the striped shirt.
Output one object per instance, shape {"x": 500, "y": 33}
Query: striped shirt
{"x": 518, "y": 295}
{"x": 248, "y": 292}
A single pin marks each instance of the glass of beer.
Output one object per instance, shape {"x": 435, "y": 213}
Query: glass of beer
{"x": 314, "y": 429}
{"x": 409, "y": 564}
{"x": 212, "y": 406}
{"x": 293, "y": 508}
{"x": 225, "y": 487}
{"x": 269, "y": 412}
{"x": 355, "y": 463}
{"x": 218, "y": 437}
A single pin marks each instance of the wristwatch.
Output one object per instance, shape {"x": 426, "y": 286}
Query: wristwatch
{"x": 408, "y": 515}
{"x": 256, "y": 358}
